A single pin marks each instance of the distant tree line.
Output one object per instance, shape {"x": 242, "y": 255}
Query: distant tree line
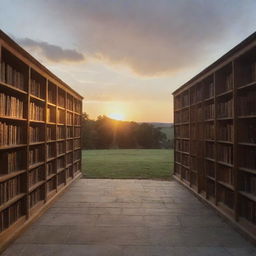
{"x": 106, "y": 133}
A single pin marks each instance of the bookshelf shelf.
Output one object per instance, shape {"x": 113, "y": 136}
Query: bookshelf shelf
{"x": 12, "y": 201}
{"x": 41, "y": 112}
{"x": 220, "y": 128}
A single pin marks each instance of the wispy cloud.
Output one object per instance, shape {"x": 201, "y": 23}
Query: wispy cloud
{"x": 52, "y": 52}
{"x": 151, "y": 37}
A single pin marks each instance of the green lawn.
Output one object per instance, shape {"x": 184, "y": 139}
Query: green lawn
{"x": 128, "y": 163}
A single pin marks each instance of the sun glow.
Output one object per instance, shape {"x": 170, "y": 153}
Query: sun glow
{"x": 117, "y": 116}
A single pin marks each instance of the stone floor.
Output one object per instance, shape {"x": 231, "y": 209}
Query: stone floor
{"x": 130, "y": 217}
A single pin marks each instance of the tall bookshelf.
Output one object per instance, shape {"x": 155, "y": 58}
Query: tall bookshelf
{"x": 215, "y": 135}
{"x": 40, "y": 138}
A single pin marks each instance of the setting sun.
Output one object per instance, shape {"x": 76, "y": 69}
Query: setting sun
{"x": 117, "y": 116}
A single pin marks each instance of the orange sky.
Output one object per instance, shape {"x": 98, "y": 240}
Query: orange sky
{"x": 126, "y": 57}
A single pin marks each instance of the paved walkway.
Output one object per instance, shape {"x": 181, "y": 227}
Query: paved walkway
{"x": 130, "y": 218}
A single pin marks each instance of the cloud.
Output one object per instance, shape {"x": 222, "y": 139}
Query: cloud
{"x": 52, "y": 52}
{"x": 148, "y": 36}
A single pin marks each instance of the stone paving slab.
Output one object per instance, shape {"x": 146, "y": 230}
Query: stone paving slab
{"x": 98, "y": 217}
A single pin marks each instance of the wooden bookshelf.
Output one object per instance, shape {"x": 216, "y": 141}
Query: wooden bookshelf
{"x": 215, "y": 135}
{"x": 40, "y": 138}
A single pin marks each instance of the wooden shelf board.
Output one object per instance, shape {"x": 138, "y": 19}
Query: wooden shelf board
{"x": 11, "y": 175}
{"x": 36, "y": 143}
{"x": 246, "y": 86}
{"x": 252, "y": 171}
{"x": 224, "y": 93}
{"x": 229, "y": 186}
{"x": 50, "y": 176}
{"x": 13, "y": 88}
{"x": 13, "y": 118}
{"x": 248, "y": 195}
{"x": 51, "y": 104}
{"x": 35, "y": 186}
{"x": 225, "y": 142}
{"x": 247, "y": 144}
{"x": 35, "y": 165}
{"x": 34, "y": 97}
{"x": 11, "y": 201}
{"x": 37, "y": 121}
{"x": 226, "y": 164}
{"x": 247, "y": 116}
{"x": 13, "y": 146}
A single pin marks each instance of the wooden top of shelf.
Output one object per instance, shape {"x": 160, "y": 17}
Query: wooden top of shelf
{"x": 13, "y": 118}
{"x": 32, "y": 96}
{"x": 246, "y": 85}
{"x": 248, "y": 195}
{"x": 230, "y": 55}
{"x": 29, "y": 59}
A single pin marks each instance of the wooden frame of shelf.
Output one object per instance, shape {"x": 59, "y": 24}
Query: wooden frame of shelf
{"x": 232, "y": 144}
{"x": 24, "y": 80}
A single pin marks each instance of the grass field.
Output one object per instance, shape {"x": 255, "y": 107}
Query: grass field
{"x": 128, "y": 163}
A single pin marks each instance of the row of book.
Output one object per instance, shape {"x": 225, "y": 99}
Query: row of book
{"x": 61, "y": 132}
{"x": 35, "y": 176}
{"x": 9, "y": 189}
{"x": 61, "y": 177}
{"x": 181, "y": 145}
{"x": 50, "y": 114}
{"x": 209, "y": 111}
{"x": 70, "y": 171}
{"x": 51, "y": 184}
{"x": 226, "y": 196}
{"x": 12, "y": 76}
{"x": 69, "y": 103}
{"x": 225, "y": 131}
{"x": 247, "y": 104}
{"x": 12, "y": 161}
{"x": 69, "y": 118}
{"x": 209, "y": 168}
{"x": 248, "y": 183}
{"x": 225, "y": 153}
{"x": 209, "y": 150}
{"x": 225, "y": 84}
{"x": 36, "y": 88}
{"x": 248, "y": 159}
{"x": 36, "y": 196}
{"x": 60, "y": 162}
{"x": 11, "y": 214}
{"x": 50, "y": 150}
{"x": 209, "y": 131}
{"x": 70, "y": 132}
{"x": 77, "y": 120}
{"x": 36, "y": 134}
{"x": 182, "y": 131}
{"x": 35, "y": 155}
{"x": 36, "y": 112}
{"x": 247, "y": 131}
{"x": 50, "y": 168}
{"x": 61, "y": 99}
{"x": 51, "y": 94}
{"x": 248, "y": 74}
{"x": 69, "y": 158}
{"x": 50, "y": 133}
{"x": 77, "y": 167}
{"x": 77, "y": 106}
{"x": 77, "y": 132}
{"x": 69, "y": 145}
{"x": 248, "y": 210}
{"x": 225, "y": 174}
{"x": 209, "y": 90}
{"x": 11, "y": 106}
{"x": 224, "y": 108}
{"x": 11, "y": 134}
{"x": 61, "y": 147}
{"x": 61, "y": 116}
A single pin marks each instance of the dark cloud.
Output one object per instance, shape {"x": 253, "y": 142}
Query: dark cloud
{"x": 151, "y": 37}
{"x": 52, "y": 52}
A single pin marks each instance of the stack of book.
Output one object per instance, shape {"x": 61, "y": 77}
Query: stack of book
{"x": 11, "y": 106}
{"x": 36, "y": 112}
{"x": 12, "y": 76}
{"x": 224, "y": 109}
{"x": 12, "y": 161}
{"x": 11, "y": 134}
{"x": 35, "y": 88}
{"x": 225, "y": 153}
{"x": 35, "y": 175}
{"x": 35, "y": 155}
{"x": 9, "y": 189}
